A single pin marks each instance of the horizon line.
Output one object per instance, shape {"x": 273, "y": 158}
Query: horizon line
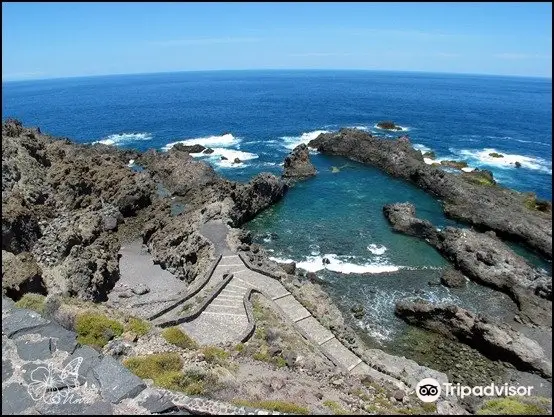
{"x": 275, "y": 70}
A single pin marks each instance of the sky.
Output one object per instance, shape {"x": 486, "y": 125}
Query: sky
{"x": 54, "y": 40}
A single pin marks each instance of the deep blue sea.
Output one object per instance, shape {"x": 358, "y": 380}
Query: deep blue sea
{"x": 259, "y": 116}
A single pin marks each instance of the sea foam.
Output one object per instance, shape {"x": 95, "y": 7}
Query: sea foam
{"x": 122, "y": 138}
{"x": 208, "y": 141}
{"x": 291, "y": 142}
{"x": 377, "y": 249}
{"x": 315, "y": 263}
{"x": 507, "y": 161}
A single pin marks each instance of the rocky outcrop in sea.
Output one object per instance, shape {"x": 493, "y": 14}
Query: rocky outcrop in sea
{"x": 471, "y": 197}
{"x": 484, "y": 258}
{"x": 297, "y": 164}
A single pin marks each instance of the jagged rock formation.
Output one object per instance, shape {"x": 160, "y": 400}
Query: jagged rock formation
{"x": 467, "y": 196}
{"x": 63, "y": 203}
{"x": 297, "y": 164}
{"x": 484, "y": 258}
{"x": 496, "y": 340}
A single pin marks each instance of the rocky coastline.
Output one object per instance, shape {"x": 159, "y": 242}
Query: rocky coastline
{"x": 68, "y": 209}
{"x": 470, "y": 197}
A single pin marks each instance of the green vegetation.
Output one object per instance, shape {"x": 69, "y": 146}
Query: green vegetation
{"x": 454, "y": 164}
{"x": 96, "y": 329}
{"x": 138, "y": 326}
{"x": 335, "y": 408}
{"x": 239, "y": 347}
{"x": 510, "y": 406}
{"x": 177, "y": 337}
{"x": 533, "y": 203}
{"x": 32, "y": 302}
{"x": 215, "y": 355}
{"x": 479, "y": 177}
{"x": 274, "y": 405}
{"x": 496, "y": 155}
{"x": 165, "y": 370}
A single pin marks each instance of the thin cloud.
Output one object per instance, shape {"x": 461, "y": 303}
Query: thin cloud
{"x": 516, "y": 56}
{"x": 203, "y": 41}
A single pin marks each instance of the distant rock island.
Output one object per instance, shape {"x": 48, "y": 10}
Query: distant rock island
{"x": 388, "y": 125}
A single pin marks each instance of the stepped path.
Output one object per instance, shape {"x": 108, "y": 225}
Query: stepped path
{"x": 225, "y": 319}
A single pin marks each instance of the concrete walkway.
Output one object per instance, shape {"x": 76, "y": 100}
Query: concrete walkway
{"x": 225, "y": 319}
{"x": 144, "y": 287}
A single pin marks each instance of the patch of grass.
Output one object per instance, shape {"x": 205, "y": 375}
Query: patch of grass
{"x": 279, "y": 361}
{"x": 273, "y": 405}
{"x": 96, "y": 329}
{"x": 177, "y": 337}
{"x": 165, "y": 370}
{"x": 138, "y": 326}
{"x": 32, "y": 301}
{"x": 429, "y": 407}
{"x": 533, "y": 203}
{"x": 152, "y": 366}
{"x": 239, "y": 347}
{"x": 335, "y": 407}
{"x": 215, "y": 355}
{"x": 509, "y": 406}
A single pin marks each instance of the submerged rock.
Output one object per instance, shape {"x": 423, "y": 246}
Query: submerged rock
{"x": 496, "y": 340}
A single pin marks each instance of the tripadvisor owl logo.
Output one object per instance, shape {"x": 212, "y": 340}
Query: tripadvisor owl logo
{"x": 428, "y": 390}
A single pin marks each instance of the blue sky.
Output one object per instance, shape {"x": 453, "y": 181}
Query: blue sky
{"x": 50, "y": 40}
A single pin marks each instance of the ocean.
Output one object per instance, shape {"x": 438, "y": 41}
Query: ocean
{"x": 260, "y": 116}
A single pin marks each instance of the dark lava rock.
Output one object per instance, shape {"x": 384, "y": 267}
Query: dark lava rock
{"x": 388, "y": 125}
{"x": 452, "y": 278}
{"x": 358, "y": 311}
{"x": 189, "y": 149}
{"x": 20, "y": 275}
{"x": 289, "y": 268}
{"x": 518, "y": 164}
{"x": 237, "y": 161}
{"x": 472, "y": 197}
{"x": 208, "y": 151}
{"x": 484, "y": 258}
{"x": 496, "y": 340}
{"x": 297, "y": 164}
{"x": 224, "y": 158}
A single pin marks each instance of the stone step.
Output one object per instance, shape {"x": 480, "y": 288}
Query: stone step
{"x": 224, "y": 303}
{"x": 292, "y": 308}
{"x": 314, "y": 330}
{"x": 341, "y": 355}
{"x": 232, "y": 286}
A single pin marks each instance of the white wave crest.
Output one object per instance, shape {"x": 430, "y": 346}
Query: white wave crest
{"x": 121, "y": 138}
{"x": 377, "y": 249}
{"x": 420, "y": 147}
{"x": 483, "y": 157}
{"x": 315, "y": 263}
{"x": 292, "y": 142}
{"x": 230, "y": 154}
{"x": 223, "y": 140}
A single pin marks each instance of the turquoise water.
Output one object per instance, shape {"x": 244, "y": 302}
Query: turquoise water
{"x": 259, "y": 116}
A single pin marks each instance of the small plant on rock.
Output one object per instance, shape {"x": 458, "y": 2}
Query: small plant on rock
{"x": 177, "y": 337}
{"x": 96, "y": 329}
{"x": 32, "y": 301}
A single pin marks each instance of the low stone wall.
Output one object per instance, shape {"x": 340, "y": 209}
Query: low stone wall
{"x": 86, "y": 382}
